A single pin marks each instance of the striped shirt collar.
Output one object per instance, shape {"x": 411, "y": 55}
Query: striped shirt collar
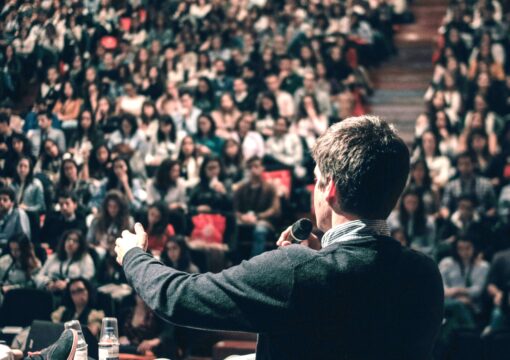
{"x": 356, "y": 229}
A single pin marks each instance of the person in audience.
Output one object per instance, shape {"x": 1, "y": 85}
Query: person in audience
{"x": 163, "y": 143}
{"x": 190, "y": 161}
{"x": 67, "y": 217}
{"x": 421, "y": 182}
{"x": 13, "y": 220}
{"x": 78, "y": 303}
{"x": 252, "y": 142}
{"x": 470, "y": 183}
{"x": 411, "y": 217}
{"x": 210, "y": 195}
{"x": 45, "y": 131}
{"x": 21, "y": 147}
{"x": 112, "y": 218}
{"x": 498, "y": 283}
{"x": 86, "y": 138}
{"x": 19, "y": 265}
{"x": 438, "y": 164}
{"x": 71, "y": 260}
{"x": 70, "y": 181}
{"x": 206, "y": 140}
{"x": 143, "y": 333}
{"x": 29, "y": 190}
{"x": 158, "y": 228}
{"x": 257, "y": 205}
{"x": 168, "y": 186}
{"x": 232, "y": 158}
{"x": 50, "y": 161}
{"x": 464, "y": 277}
{"x": 176, "y": 254}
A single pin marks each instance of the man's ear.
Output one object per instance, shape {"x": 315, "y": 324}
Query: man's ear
{"x": 331, "y": 193}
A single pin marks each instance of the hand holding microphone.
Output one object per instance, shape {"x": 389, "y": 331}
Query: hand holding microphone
{"x": 299, "y": 233}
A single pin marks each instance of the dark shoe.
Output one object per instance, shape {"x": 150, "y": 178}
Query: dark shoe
{"x": 62, "y": 349}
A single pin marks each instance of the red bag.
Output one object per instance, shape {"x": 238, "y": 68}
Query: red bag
{"x": 209, "y": 228}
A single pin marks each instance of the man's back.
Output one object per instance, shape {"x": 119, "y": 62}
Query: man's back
{"x": 360, "y": 299}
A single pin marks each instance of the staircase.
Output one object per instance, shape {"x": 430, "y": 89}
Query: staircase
{"x": 400, "y": 83}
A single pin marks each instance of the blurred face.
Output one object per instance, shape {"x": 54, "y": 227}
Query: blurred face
{"x": 187, "y": 101}
{"x": 239, "y": 86}
{"x": 68, "y": 90}
{"x": 188, "y": 146}
{"x": 309, "y": 81}
{"x": 102, "y": 155}
{"x": 280, "y": 127}
{"x": 419, "y": 172}
{"x": 226, "y": 102}
{"x": 153, "y": 215}
{"x": 113, "y": 208}
{"x": 465, "y": 250}
{"x": 441, "y": 122}
{"x": 231, "y": 149}
{"x": 479, "y": 142}
{"x": 79, "y": 294}
{"x": 272, "y": 84}
{"x": 17, "y": 145}
{"x": 67, "y": 206}
{"x": 120, "y": 167}
{"x": 148, "y": 110}
{"x": 466, "y": 210}
{"x": 411, "y": 202}
{"x": 256, "y": 169}
{"x": 175, "y": 172}
{"x": 14, "y": 250}
{"x": 23, "y": 168}
{"x": 429, "y": 143}
{"x": 204, "y": 125}
{"x": 126, "y": 127}
{"x": 70, "y": 171}
{"x": 51, "y": 148}
{"x": 86, "y": 120}
{"x": 72, "y": 244}
{"x": 44, "y": 122}
{"x": 465, "y": 166}
{"x": 173, "y": 251}
{"x": 5, "y": 204}
{"x": 212, "y": 170}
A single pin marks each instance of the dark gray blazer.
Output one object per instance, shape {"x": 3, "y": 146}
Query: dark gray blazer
{"x": 359, "y": 299}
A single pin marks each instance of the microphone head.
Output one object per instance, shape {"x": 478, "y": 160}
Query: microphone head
{"x": 301, "y": 229}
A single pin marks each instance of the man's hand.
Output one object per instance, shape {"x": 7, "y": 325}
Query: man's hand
{"x": 129, "y": 241}
{"x": 312, "y": 242}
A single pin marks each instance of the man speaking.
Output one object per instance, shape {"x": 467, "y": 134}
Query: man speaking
{"x": 357, "y": 295}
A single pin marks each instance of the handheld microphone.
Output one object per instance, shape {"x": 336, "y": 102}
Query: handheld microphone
{"x": 300, "y": 230}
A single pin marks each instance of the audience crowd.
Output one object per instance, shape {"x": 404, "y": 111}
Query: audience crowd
{"x": 193, "y": 117}
{"x": 457, "y": 205}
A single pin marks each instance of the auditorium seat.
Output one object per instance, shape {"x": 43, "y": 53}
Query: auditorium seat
{"x": 225, "y": 348}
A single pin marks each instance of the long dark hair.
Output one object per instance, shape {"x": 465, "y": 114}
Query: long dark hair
{"x": 63, "y": 180}
{"x": 212, "y": 130}
{"x": 113, "y": 180}
{"x": 470, "y": 137}
{"x": 262, "y": 113}
{"x": 455, "y": 255}
{"x": 162, "y": 180}
{"x": 95, "y": 167}
{"x": 184, "y": 261}
{"x": 122, "y": 218}
{"x": 30, "y": 176}
{"x": 236, "y": 160}
{"x": 181, "y": 157}
{"x": 160, "y": 227}
{"x": 166, "y": 119}
{"x": 419, "y": 217}
{"x": 67, "y": 299}
{"x": 427, "y": 180}
{"x": 92, "y": 130}
{"x": 203, "y": 176}
{"x": 27, "y": 257}
{"x": 82, "y": 245}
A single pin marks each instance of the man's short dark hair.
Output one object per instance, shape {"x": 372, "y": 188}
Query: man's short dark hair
{"x": 464, "y": 155}
{"x": 66, "y": 194}
{"x": 9, "y": 192}
{"x": 367, "y": 161}
{"x": 253, "y": 160}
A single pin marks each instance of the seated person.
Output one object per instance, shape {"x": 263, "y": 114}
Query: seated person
{"x": 497, "y": 283}
{"x": 78, "y": 304}
{"x": 210, "y": 195}
{"x": 176, "y": 254}
{"x": 142, "y": 332}
{"x": 158, "y": 228}
{"x": 19, "y": 266}
{"x": 464, "y": 276}
{"x": 66, "y": 218}
{"x": 13, "y": 220}
{"x": 257, "y": 205}
{"x": 70, "y": 261}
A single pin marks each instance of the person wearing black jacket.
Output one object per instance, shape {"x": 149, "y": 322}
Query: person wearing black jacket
{"x": 358, "y": 294}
